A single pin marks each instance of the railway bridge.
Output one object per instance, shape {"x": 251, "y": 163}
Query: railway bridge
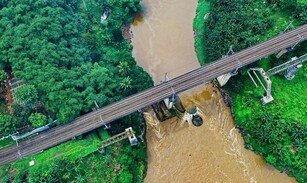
{"x": 152, "y": 95}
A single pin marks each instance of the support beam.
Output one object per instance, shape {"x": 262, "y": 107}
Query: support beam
{"x": 128, "y": 133}
{"x": 223, "y": 79}
{"x": 294, "y": 62}
{"x": 268, "y": 97}
{"x": 291, "y": 66}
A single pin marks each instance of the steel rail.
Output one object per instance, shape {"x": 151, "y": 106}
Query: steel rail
{"x": 38, "y": 149}
{"x": 213, "y": 75}
{"x": 180, "y": 79}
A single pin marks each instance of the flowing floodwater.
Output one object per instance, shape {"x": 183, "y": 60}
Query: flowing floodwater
{"x": 177, "y": 150}
{"x": 163, "y": 39}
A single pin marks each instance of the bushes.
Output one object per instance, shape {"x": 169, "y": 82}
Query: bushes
{"x": 37, "y": 120}
{"x": 72, "y": 60}
{"x": 297, "y": 8}
{"x": 7, "y": 125}
{"x": 233, "y": 22}
{"x": 120, "y": 164}
{"x": 278, "y": 130}
{"x": 66, "y": 55}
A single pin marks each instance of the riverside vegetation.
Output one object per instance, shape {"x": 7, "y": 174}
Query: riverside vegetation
{"x": 278, "y": 130}
{"x": 69, "y": 58}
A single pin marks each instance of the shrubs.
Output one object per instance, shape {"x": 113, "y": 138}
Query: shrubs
{"x": 37, "y": 120}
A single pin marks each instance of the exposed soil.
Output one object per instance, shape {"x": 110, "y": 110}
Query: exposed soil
{"x": 127, "y": 34}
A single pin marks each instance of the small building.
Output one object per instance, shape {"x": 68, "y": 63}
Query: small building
{"x": 31, "y": 163}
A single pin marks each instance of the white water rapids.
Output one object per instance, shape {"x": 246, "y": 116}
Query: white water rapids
{"x": 178, "y": 151}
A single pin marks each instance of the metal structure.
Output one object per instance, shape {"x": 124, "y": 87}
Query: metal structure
{"x": 201, "y": 75}
{"x": 223, "y": 79}
{"x": 128, "y": 133}
{"x": 268, "y": 97}
{"x": 291, "y": 66}
{"x": 14, "y": 85}
{"x": 106, "y": 126}
{"x": 293, "y": 63}
{"x": 169, "y": 101}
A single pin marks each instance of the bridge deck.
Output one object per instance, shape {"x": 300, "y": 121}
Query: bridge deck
{"x": 286, "y": 65}
{"x": 126, "y": 106}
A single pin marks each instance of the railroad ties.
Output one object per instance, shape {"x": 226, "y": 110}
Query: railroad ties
{"x": 224, "y": 78}
{"x": 184, "y": 82}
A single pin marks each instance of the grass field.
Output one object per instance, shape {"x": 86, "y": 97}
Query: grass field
{"x": 289, "y": 94}
{"x": 71, "y": 151}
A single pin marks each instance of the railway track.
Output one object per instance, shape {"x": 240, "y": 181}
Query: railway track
{"x": 126, "y": 106}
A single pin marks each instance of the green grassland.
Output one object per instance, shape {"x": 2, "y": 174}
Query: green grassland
{"x": 78, "y": 160}
{"x": 278, "y": 130}
{"x": 70, "y": 151}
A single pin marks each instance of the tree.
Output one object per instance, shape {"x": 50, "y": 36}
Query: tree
{"x": 69, "y": 60}
{"x": 2, "y": 78}
{"x": 37, "y": 120}
{"x": 125, "y": 177}
{"x": 123, "y": 68}
{"x": 27, "y": 95}
{"x": 270, "y": 159}
{"x": 7, "y": 124}
{"x": 126, "y": 83}
{"x": 241, "y": 22}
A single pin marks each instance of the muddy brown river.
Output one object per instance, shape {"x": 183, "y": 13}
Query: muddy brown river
{"x": 178, "y": 151}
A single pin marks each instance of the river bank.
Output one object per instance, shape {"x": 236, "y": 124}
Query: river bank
{"x": 163, "y": 42}
{"x": 276, "y": 131}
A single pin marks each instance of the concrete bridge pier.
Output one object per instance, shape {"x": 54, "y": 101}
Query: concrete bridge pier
{"x": 168, "y": 108}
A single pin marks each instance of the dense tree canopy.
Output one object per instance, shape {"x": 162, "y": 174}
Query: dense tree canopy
{"x": 7, "y": 125}
{"x": 276, "y": 131}
{"x": 233, "y": 22}
{"x": 298, "y": 8}
{"x": 69, "y": 59}
{"x": 27, "y": 96}
{"x": 37, "y": 120}
{"x": 48, "y": 45}
{"x": 2, "y": 78}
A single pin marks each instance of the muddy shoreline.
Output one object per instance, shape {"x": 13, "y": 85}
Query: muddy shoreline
{"x": 127, "y": 33}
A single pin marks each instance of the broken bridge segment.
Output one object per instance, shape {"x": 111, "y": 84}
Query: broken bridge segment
{"x": 293, "y": 63}
{"x": 291, "y": 67}
{"x": 128, "y": 133}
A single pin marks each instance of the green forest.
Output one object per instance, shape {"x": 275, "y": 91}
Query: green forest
{"x": 69, "y": 58}
{"x": 72, "y": 53}
{"x": 278, "y": 130}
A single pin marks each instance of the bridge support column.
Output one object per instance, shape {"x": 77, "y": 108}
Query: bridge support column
{"x": 223, "y": 79}
{"x": 168, "y": 108}
{"x": 268, "y": 98}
